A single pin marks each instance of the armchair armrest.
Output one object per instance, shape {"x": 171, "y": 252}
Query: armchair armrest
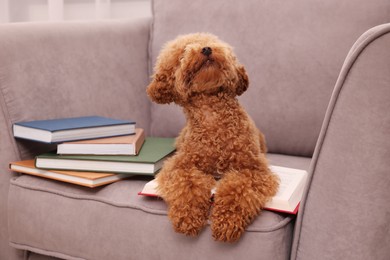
{"x": 346, "y": 210}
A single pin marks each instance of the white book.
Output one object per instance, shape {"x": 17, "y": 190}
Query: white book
{"x": 117, "y": 145}
{"x": 287, "y": 199}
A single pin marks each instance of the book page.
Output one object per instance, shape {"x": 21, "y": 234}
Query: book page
{"x": 286, "y": 180}
{"x": 289, "y": 180}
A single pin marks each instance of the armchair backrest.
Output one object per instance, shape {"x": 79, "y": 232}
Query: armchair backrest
{"x": 292, "y": 50}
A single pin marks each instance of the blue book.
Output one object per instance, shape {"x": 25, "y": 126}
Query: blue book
{"x": 72, "y": 129}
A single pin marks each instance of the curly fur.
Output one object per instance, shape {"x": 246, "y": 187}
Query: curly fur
{"x": 219, "y": 146}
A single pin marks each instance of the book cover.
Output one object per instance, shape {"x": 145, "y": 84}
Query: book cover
{"x": 149, "y": 160}
{"x": 70, "y": 129}
{"x": 287, "y": 199}
{"x": 87, "y": 179}
{"x": 119, "y": 145}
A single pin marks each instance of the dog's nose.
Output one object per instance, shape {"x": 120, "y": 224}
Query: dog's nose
{"x": 207, "y": 51}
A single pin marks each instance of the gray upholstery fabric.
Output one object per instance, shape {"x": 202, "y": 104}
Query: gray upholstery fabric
{"x": 113, "y": 222}
{"x": 346, "y": 212}
{"x": 293, "y": 52}
{"x": 8, "y": 153}
{"x": 34, "y": 256}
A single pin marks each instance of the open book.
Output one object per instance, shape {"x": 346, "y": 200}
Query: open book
{"x": 287, "y": 199}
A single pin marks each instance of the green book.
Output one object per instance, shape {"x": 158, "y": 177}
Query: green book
{"x": 149, "y": 160}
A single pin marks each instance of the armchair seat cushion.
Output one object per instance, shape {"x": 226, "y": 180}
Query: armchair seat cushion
{"x": 113, "y": 222}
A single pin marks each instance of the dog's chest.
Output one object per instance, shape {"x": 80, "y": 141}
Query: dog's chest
{"x": 218, "y": 145}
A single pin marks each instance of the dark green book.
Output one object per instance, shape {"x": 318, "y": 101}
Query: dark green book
{"x": 149, "y": 160}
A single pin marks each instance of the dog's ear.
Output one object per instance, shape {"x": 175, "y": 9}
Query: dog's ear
{"x": 243, "y": 80}
{"x": 161, "y": 89}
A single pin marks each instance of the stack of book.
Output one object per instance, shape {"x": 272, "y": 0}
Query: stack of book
{"x": 92, "y": 151}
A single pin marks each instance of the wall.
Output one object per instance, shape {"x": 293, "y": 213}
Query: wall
{"x": 57, "y": 10}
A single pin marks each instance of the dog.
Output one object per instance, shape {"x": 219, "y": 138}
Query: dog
{"x": 219, "y": 147}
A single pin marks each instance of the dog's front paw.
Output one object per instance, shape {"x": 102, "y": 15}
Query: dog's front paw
{"x": 227, "y": 225}
{"x": 188, "y": 220}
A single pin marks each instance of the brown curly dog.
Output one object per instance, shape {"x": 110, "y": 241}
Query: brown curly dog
{"x": 220, "y": 146}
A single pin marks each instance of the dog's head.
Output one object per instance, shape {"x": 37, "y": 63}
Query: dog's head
{"x": 196, "y": 64}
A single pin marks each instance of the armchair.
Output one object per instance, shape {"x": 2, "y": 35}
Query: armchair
{"x": 333, "y": 124}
